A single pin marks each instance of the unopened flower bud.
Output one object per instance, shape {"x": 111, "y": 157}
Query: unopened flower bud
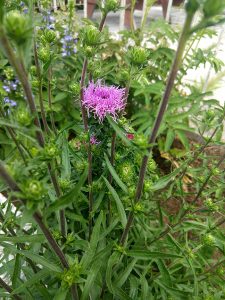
{"x": 209, "y": 240}
{"x": 64, "y": 184}
{"x": 212, "y": 8}
{"x": 50, "y": 151}
{"x": 23, "y": 117}
{"x": 9, "y": 73}
{"x": 91, "y": 35}
{"x": 49, "y": 36}
{"x": 138, "y": 55}
{"x": 75, "y": 88}
{"x": 111, "y": 5}
{"x": 18, "y": 26}
{"x": 191, "y": 6}
{"x": 33, "y": 189}
{"x": 33, "y": 70}
{"x": 44, "y": 54}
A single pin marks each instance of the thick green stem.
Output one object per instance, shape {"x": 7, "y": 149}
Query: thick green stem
{"x": 159, "y": 118}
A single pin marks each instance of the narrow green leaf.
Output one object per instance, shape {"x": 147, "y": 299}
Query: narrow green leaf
{"x": 34, "y": 257}
{"x": 95, "y": 237}
{"x": 109, "y": 271}
{"x": 93, "y": 272}
{"x": 33, "y": 280}
{"x": 36, "y": 238}
{"x": 172, "y": 291}
{"x": 119, "y": 132}
{"x": 169, "y": 139}
{"x": 122, "y": 277}
{"x": 114, "y": 175}
{"x": 119, "y": 204}
{"x": 61, "y": 294}
{"x": 145, "y": 255}
{"x": 164, "y": 272}
{"x": 183, "y": 138}
{"x": 66, "y": 199}
{"x": 66, "y": 167}
{"x": 16, "y": 271}
{"x": 165, "y": 180}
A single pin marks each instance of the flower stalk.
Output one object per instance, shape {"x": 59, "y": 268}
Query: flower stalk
{"x": 162, "y": 109}
{"x": 85, "y": 122}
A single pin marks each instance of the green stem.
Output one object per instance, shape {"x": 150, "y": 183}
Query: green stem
{"x": 41, "y": 103}
{"x": 50, "y": 101}
{"x": 24, "y": 81}
{"x": 159, "y": 118}
{"x": 85, "y": 122}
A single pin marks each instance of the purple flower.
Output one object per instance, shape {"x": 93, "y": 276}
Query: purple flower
{"x": 94, "y": 141}
{"x": 6, "y": 88}
{"x": 10, "y": 102}
{"x": 103, "y": 100}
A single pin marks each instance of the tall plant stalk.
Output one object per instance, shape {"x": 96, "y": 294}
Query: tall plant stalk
{"x": 85, "y": 122}
{"x": 159, "y": 118}
{"x": 22, "y": 75}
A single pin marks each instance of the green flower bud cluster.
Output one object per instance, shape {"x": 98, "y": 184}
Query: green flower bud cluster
{"x": 111, "y": 5}
{"x": 72, "y": 275}
{"x": 50, "y": 151}
{"x": 44, "y": 54}
{"x": 48, "y": 36}
{"x": 191, "y": 6}
{"x": 138, "y": 55}
{"x": 212, "y": 8}
{"x": 148, "y": 185}
{"x": 23, "y": 117}
{"x": 141, "y": 141}
{"x": 126, "y": 172}
{"x": 211, "y": 205}
{"x": 57, "y": 235}
{"x": 64, "y": 184}
{"x": 70, "y": 239}
{"x": 138, "y": 208}
{"x": 89, "y": 51}
{"x": 33, "y": 190}
{"x": 90, "y": 35}
{"x": 75, "y": 88}
{"x": 216, "y": 171}
{"x": 35, "y": 83}
{"x": 33, "y": 70}
{"x": 18, "y": 27}
{"x": 97, "y": 185}
{"x": 76, "y": 144}
{"x": 9, "y": 73}
{"x": 80, "y": 165}
{"x": 208, "y": 240}
{"x": 152, "y": 166}
{"x": 120, "y": 249}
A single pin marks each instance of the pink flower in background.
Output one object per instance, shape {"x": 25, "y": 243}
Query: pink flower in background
{"x": 103, "y": 100}
{"x": 130, "y": 136}
{"x": 94, "y": 141}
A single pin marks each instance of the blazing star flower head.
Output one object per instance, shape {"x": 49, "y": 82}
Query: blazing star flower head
{"x": 94, "y": 141}
{"x": 103, "y": 100}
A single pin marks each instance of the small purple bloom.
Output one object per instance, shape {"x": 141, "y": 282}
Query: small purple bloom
{"x": 103, "y": 100}
{"x": 94, "y": 141}
{"x": 9, "y": 102}
{"x": 6, "y": 88}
